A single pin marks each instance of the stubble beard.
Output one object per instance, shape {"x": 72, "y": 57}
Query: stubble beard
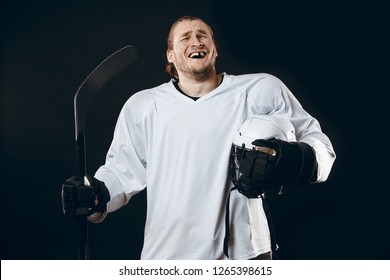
{"x": 197, "y": 74}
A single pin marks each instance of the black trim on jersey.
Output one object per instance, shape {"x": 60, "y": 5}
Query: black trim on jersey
{"x": 176, "y": 84}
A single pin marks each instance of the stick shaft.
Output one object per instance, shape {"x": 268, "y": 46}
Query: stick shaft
{"x": 83, "y": 222}
{"x": 111, "y": 66}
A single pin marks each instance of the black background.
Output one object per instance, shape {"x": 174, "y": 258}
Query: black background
{"x": 332, "y": 56}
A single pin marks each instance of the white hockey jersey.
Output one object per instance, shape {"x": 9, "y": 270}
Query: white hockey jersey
{"x": 179, "y": 149}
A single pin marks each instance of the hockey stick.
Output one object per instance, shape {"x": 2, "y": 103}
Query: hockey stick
{"x": 111, "y": 66}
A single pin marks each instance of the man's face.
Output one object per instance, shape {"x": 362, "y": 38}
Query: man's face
{"x": 193, "y": 50}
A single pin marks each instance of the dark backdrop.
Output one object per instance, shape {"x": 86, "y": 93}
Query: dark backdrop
{"x": 332, "y": 56}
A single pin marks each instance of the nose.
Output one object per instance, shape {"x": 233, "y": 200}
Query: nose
{"x": 197, "y": 43}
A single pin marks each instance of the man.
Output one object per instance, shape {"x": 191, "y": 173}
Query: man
{"x": 175, "y": 140}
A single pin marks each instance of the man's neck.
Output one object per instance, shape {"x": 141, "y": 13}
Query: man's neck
{"x": 197, "y": 88}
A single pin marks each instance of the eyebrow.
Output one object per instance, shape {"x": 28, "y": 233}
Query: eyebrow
{"x": 201, "y": 31}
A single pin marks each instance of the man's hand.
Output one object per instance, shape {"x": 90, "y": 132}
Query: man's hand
{"x": 84, "y": 199}
{"x": 289, "y": 164}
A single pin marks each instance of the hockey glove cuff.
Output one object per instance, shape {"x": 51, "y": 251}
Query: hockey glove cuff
{"x": 102, "y": 194}
{"x": 295, "y": 163}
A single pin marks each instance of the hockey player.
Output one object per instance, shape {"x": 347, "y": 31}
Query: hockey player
{"x": 176, "y": 141}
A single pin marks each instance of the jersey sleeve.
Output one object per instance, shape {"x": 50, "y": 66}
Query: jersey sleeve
{"x": 124, "y": 171}
{"x": 277, "y": 96}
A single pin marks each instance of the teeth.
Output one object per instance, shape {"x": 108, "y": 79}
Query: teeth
{"x": 197, "y": 55}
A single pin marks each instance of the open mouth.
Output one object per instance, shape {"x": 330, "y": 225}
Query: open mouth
{"x": 197, "y": 55}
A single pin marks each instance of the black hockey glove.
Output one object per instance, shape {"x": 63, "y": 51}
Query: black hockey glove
{"x": 292, "y": 164}
{"x": 79, "y": 199}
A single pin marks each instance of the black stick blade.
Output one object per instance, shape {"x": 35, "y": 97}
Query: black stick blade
{"x": 111, "y": 66}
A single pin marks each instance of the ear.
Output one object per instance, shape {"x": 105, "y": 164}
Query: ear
{"x": 170, "y": 56}
{"x": 215, "y": 53}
